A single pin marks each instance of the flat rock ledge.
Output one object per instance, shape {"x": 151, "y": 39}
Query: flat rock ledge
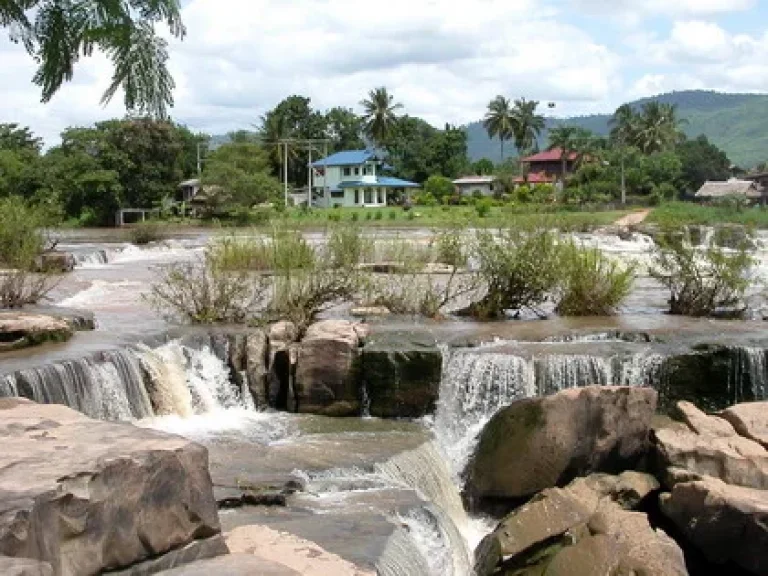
{"x": 35, "y": 326}
{"x": 87, "y": 497}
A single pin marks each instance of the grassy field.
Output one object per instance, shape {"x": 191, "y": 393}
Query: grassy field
{"x": 682, "y": 213}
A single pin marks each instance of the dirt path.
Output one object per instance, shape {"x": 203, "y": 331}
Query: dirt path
{"x": 632, "y": 219}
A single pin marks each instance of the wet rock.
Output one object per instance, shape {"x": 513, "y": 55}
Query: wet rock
{"x": 327, "y": 369}
{"x": 283, "y": 332}
{"x": 401, "y": 373}
{"x": 256, "y": 355}
{"x": 55, "y": 261}
{"x": 727, "y": 523}
{"x": 233, "y": 565}
{"x": 538, "y": 443}
{"x": 24, "y": 329}
{"x": 749, "y": 420}
{"x": 733, "y": 459}
{"x": 281, "y": 337}
{"x": 578, "y": 530}
{"x": 88, "y": 496}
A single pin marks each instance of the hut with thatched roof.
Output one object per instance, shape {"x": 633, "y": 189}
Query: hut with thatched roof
{"x": 747, "y": 189}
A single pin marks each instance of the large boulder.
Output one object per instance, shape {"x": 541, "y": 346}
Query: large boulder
{"x": 710, "y": 452}
{"x": 749, "y": 420}
{"x": 539, "y": 443}
{"x": 256, "y": 358}
{"x": 87, "y": 496}
{"x": 578, "y": 530}
{"x": 327, "y": 370}
{"x": 281, "y": 338}
{"x": 55, "y": 261}
{"x": 727, "y": 523}
{"x": 401, "y": 373}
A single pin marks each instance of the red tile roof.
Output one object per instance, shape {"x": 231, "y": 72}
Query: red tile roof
{"x": 535, "y": 178}
{"x": 554, "y": 155}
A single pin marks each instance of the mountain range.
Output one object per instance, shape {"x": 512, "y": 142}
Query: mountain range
{"x": 737, "y": 123}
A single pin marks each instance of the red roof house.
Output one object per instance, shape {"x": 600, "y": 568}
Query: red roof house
{"x": 550, "y": 164}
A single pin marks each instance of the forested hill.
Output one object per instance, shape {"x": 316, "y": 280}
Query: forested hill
{"x": 737, "y": 123}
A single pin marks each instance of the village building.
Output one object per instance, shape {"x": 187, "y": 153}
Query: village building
{"x": 547, "y": 167}
{"x": 354, "y": 178}
{"x": 470, "y": 185}
{"x": 748, "y": 189}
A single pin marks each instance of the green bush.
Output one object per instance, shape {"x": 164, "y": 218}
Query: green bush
{"x": 590, "y": 283}
{"x": 233, "y": 253}
{"x": 346, "y": 247}
{"x": 355, "y": 216}
{"x": 483, "y": 207}
{"x": 393, "y": 215}
{"x": 379, "y": 215}
{"x": 701, "y": 283}
{"x": 411, "y": 215}
{"x": 450, "y": 245}
{"x": 148, "y": 231}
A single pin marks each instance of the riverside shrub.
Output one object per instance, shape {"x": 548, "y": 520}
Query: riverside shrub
{"x": 701, "y": 283}
{"x": 590, "y": 283}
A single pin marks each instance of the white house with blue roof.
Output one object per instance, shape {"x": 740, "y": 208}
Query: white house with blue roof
{"x": 353, "y": 178}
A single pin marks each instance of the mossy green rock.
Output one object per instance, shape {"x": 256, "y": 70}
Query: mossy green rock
{"x": 401, "y": 373}
{"x": 538, "y": 443}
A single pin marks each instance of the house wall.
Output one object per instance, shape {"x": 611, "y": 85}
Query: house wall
{"x": 338, "y": 174}
{"x": 363, "y": 197}
{"x": 469, "y": 189}
{"x": 550, "y": 168}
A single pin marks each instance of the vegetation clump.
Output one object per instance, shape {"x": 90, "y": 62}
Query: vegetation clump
{"x": 701, "y": 283}
{"x": 148, "y": 231}
{"x": 591, "y": 283}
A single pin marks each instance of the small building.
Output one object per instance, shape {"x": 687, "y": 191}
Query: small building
{"x": 533, "y": 178}
{"x": 354, "y": 178}
{"x": 189, "y": 189}
{"x": 468, "y": 185}
{"x": 761, "y": 178}
{"x": 748, "y": 189}
{"x": 548, "y": 165}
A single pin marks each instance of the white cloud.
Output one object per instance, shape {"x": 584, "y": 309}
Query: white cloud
{"x": 634, "y": 11}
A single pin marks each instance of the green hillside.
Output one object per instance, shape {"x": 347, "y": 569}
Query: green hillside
{"x": 737, "y": 123}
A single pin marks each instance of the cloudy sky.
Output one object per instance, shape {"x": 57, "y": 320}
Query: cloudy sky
{"x": 444, "y": 60}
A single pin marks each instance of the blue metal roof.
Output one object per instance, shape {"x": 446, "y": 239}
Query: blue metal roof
{"x": 346, "y": 158}
{"x": 381, "y": 181}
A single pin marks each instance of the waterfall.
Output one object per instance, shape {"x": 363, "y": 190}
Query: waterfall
{"x": 555, "y": 372}
{"x": 473, "y": 387}
{"x": 403, "y": 555}
{"x": 749, "y": 373}
{"x": 447, "y": 527}
{"x": 107, "y": 386}
{"x": 91, "y": 258}
{"x": 133, "y": 384}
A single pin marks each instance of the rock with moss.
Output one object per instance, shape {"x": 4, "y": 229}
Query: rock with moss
{"x": 539, "y": 443}
{"x": 23, "y": 329}
{"x": 401, "y": 373}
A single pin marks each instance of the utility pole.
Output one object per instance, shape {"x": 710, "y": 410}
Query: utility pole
{"x": 325, "y": 177}
{"x": 623, "y": 179}
{"x": 285, "y": 172}
{"x": 199, "y": 162}
{"x": 309, "y": 175}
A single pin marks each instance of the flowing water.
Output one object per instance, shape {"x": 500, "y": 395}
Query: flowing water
{"x": 354, "y": 469}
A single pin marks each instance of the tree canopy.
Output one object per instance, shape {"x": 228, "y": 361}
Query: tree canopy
{"x": 58, "y": 33}
{"x": 379, "y": 115}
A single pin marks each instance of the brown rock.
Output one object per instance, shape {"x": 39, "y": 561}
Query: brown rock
{"x": 734, "y": 459}
{"x": 749, "y": 420}
{"x": 327, "y": 369}
{"x": 363, "y": 311}
{"x": 538, "y": 443}
{"x": 55, "y": 261}
{"x": 233, "y": 565}
{"x": 725, "y": 522}
{"x": 256, "y": 357}
{"x": 24, "y": 329}
{"x": 281, "y": 338}
{"x": 191, "y": 553}
{"x": 87, "y": 496}
{"x": 24, "y": 567}
{"x": 702, "y": 423}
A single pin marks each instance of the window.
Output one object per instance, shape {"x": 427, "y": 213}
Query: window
{"x": 347, "y": 171}
{"x": 380, "y": 195}
{"x": 368, "y": 196}
{"x": 357, "y": 196}
{"x": 357, "y": 171}
{"x": 367, "y": 169}
{"x": 337, "y": 193}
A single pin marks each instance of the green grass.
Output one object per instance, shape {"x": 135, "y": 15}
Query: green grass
{"x": 686, "y": 213}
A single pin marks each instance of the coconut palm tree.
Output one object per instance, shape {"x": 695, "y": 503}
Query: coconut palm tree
{"x": 657, "y": 128}
{"x": 379, "y": 115}
{"x": 498, "y": 120}
{"x": 624, "y": 125}
{"x": 527, "y": 124}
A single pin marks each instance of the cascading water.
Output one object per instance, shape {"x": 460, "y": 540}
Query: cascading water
{"x": 749, "y": 371}
{"x": 91, "y": 258}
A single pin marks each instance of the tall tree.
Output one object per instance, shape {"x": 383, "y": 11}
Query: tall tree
{"x": 526, "y": 124}
{"x": 571, "y": 140}
{"x": 379, "y": 115}
{"x": 624, "y": 125}
{"x": 657, "y": 128}
{"x": 498, "y": 121}
{"x": 344, "y": 129}
{"x": 701, "y": 161}
{"x": 58, "y": 33}
{"x": 17, "y": 138}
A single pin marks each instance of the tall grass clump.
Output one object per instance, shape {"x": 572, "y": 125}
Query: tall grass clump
{"x": 590, "y": 283}
{"x": 451, "y": 246}
{"x": 701, "y": 283}
{"x": 346, "y": 247}
{"x": 241, "y": 253}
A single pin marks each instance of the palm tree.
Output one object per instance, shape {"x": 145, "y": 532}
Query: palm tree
{"x": 498, "y": 120}
{"x": 564, "y": 138}
{"x": 624, "y": 125}
{"x": 657, "y": 128}
{"x": 379, "y": 115}
{"x": 527, "y": 124}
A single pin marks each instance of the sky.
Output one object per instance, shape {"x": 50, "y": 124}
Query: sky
{"x": 444, "y": 60}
